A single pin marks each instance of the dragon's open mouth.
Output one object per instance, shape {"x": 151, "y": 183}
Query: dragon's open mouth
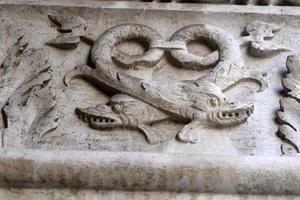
{"x": 233, "y": 115}
{"x": 98, "y": 120}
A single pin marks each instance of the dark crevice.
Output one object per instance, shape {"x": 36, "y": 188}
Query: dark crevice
{"x": 4, "y": 118}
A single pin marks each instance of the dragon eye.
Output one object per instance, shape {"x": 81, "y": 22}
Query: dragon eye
{"x": 213, "y": 102}
{"x": 117, "y": 107}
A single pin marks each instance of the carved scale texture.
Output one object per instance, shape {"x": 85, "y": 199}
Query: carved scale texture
{"x": 289, "y": 116}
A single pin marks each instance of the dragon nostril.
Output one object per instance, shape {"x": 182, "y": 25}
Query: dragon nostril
{"x": 230, "y": 115}
{"x": 236, "y": 114}
{"x": 223, "y": 114}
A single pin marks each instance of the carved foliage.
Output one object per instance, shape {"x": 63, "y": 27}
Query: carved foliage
{"x": 71, "y": 29}
{"x": 258, "y": 33}
{"x": 30, "y": 112}
{"x": 289, "y": 116}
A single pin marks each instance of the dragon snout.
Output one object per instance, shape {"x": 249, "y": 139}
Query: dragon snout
{"x": 228, "y": 116}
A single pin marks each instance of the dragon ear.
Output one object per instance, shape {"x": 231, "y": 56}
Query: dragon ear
{"x": 153, "y": 135}
{"x": 190, "y": 132}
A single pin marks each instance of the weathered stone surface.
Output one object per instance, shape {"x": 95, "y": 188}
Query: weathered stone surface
{"x": 150, "y": 96}
{"x": 150, "y": 172}
{"x": 65, "y": 194}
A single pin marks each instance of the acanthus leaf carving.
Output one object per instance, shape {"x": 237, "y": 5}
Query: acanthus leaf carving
{"x": 30, "y": 112}
{"x": 289, "y": 117}
{"x": 20, "y": 39}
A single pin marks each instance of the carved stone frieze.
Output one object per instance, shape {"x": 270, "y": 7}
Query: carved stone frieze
{"x": 152, "y": 96}
{"x": 258, "y": 33}
{"x": 71, "y": 29}
{"x": 30, "y": 111}
{"x": 197, "y": 103}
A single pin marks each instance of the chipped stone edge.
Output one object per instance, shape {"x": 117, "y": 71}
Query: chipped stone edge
{"x": 149, "y": 172}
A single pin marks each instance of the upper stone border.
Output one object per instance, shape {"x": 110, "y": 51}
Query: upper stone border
{"x": 237, "y": 2}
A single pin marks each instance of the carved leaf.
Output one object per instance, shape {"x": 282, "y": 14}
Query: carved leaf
{"x": 290, "y": 120}
{"x": 289, "y": 117}
{"x": 31, "y": 111}
{"x": 21, "y": 37}
{"x": 65, "y": 42}
{"x": 266, "y": 49}
{"x": 72, "y": 28}
{"x": 46, "y": 119}
{"x": 291, "y": 82}
{"x": 20, "y": 40}
{"x": 13, "y": 73}
{"x": 258, "y": 33}
{"x": 68, "y": 24}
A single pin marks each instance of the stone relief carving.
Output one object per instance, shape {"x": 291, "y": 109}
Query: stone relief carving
{"x": 258, "y": 33}
{"x": 30, "y": 111}
{"x": 289, "y": 117}
{"x": 71, "y": 29}
{"x": 197, "y": 103}
{"x": 137, "y": 103}
{"x": 125, "y": 111}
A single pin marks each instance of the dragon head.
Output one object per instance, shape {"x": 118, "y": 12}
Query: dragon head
{"x": 120, "y": 111}
{"x": 212, "y": 107}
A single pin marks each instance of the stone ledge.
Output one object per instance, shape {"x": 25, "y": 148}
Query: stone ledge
{"x": 71, "y": 194}
{"x": 157, "y": 6}
{"x": 150, "y": 172}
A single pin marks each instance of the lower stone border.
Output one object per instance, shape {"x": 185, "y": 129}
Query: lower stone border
{"x": 71, "y": 194}
{"x": 150, "y": 172}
